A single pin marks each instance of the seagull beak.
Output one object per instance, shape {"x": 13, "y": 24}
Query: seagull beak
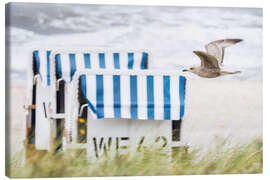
{"x": 196, "y": 52}
{"x": 185, "y": 70}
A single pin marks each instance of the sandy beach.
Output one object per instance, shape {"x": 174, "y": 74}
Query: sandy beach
{"x": 215, "y": 111}
{"x": 222, "y": 110}
{"x": 16, "y": 115}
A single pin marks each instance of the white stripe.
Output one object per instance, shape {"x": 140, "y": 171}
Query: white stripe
{"x": 125, "y": 96}
{"x": 142, "y": 97}
{"x": 137, "y": 60}
{"x": 94, "y": 60}
{"x": 43, "y": 66}
{"x": 108, "y": 96}
{"x": 158, "y": 97}
{"x": 65, "y": 67}
{"x": 79, "y": 59}
{"x": 109, "y": 61}
{"x": 123, "y": 60}
{"x": 91, "y": 91}
{"x": 175, "y": 102}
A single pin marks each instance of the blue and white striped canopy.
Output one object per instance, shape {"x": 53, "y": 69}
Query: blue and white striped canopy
{"x": 68, "y": 63}
{"x": 135, "y": 95}
{"x": 42, "y": 60}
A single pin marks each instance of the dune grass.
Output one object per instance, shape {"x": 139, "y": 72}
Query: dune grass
{"x": 150, "y": 161}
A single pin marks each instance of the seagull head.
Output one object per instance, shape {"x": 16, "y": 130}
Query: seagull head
{"x": 190, "y": 69}
{"x": 198, "y": 53}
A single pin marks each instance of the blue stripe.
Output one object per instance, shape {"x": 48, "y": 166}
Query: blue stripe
{"x": 167, "y": 98}
{"x": 116, "y": 96}
{"x": 36, "y": 56}
{"x": 133, "y": 97}
{"x": 130, "y": 60}
{"x": 72, "y": 63}
{"x": 101, "y": 60}
{"x": 182, "y": 84}
{"x": 84, "y": 90}
{"x": 100, "y": 96}
{"x": 116, "y": 60}
{"x": 150, "y": 97}
{"x": 144, "y": 60}
{"x": 58, "y": 65}
{"x": 87, "y": 62}
{"x": 48, "y": 68}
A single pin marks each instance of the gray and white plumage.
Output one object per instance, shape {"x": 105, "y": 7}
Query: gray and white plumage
{"x": 213, "y": 58}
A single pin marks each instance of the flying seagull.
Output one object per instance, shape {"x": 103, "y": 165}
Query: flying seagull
{"x": 212, "y": 59}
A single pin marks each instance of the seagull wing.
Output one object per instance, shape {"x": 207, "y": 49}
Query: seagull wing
{"x": 207, "y": 60}
{"x": 217, "y": 48}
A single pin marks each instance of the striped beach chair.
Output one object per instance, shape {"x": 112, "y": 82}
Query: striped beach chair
{"x": 53, "y": 70}
{"x": 126, "y": 95}
{"x": 66, "y": 63}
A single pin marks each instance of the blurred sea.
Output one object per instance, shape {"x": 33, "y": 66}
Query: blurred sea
{"x": 169, "y": 33}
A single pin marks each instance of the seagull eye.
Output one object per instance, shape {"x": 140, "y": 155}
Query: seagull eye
{"x": 191, "y": 68}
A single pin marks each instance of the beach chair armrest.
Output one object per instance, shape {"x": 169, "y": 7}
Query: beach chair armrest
{"x": 57, "y": 116}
